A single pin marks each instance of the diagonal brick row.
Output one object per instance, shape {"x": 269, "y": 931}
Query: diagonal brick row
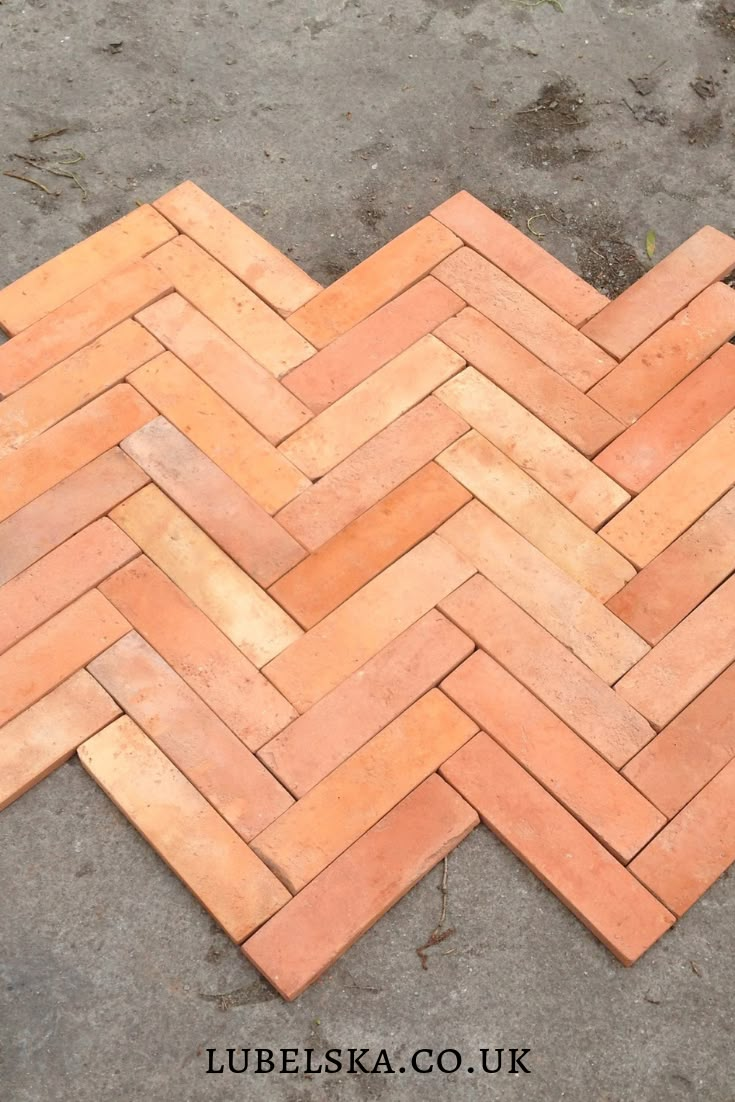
{"x": 314, "y": 580}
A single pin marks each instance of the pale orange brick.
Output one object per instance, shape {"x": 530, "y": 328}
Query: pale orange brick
{"x": 668, "y": 356}
{"x": 544, "y": 591}
{"x": 226, "y": 594}
{"x": 364, "y": 289}
{"x": 328, "y": 653}
{"x": 235, "y": 887}
{"x": 372, "y": 343}
{"x": 52, "y": 284}
{"x": 340, "y": 723}
{"x": 609, "y": 806}
{"x": 525, "y": 318}
{"x": 686, "y": 661}
{"x": 70, "y": 445}
{"x": 370, "y": 543}
{"x": 332, "y": 816}
{"x": 238, "y": 524}
{"x": 688, "y": 856}
{"x": 58, "y": 579}
{"x": 230, "y": 371}
{"x": 299, "y": 943}
{"x": 677, "y": 498}
{"x": 554, "y": 400}
{"x": 198, "y": 651}
{"x": 56, "y": 650}
{"x": 662, "y": 292}
{"x": 675, "y": 582}
{"x": 585, "y": 490}
{"x": 71, "y": 384}
{"x": 535, "y": 514}
{"x": 690, "y": 751}
{"x": 232, "y": 306}
{"x": 371, "y": 472}
{"x": 234, "y": 445}
{"x": 78, "y": 322}
{"x": 521, "y": 258}
{"x": 64, "y": 510}
{"x": 247, "y": 255}
{"x": 552, "y": 673}
{"x": 46, "y": 735}
{"x": 675, "y": 423}
{"x": 373, "y": 405}
{"x": 592, "y": 883}
{"x": 190, "y": 734}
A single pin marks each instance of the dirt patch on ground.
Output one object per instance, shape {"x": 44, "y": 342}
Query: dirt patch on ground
{"x": 544, "y": 131}
{"x": 721, "y": 16}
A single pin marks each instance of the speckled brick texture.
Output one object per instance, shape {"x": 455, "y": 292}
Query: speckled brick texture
{"x": 316, "y": 580}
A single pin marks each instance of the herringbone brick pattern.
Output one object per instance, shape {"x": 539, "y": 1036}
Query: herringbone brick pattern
{"x": 314, "y": 580}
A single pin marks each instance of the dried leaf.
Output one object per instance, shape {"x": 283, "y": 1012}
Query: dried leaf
{"x": 650, "y": 244}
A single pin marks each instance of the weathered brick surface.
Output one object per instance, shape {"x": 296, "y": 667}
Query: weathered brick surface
{"x": 451, "y": 539}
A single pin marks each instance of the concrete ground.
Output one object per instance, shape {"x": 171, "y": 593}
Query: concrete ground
{"x": 330, "y": 126}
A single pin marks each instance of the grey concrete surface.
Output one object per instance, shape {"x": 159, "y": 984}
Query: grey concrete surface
{"x": 330, "y": 126}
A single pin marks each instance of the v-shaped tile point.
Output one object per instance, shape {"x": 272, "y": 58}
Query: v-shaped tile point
{"x": 315, "y": 580}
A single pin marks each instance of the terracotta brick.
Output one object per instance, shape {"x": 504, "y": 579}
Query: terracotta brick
{"x": 249, "y": 388}
{"x": 675, "y": 582}
{"x": 611, "y": 808}
{"x": 536, "y": 515}
{"x": 525, "y": 318}
{"x": 70, "y": 445}
{"x": 662, "y": 292}
{"x": 371, "y": 472}
{"x": 670, "y": 427}
{"x": 364, "y": 289}
{"x": 209, "y": 755}
{"x": 198, "y": 652}
{"x": 554, "y": 400}
{"x": 552, "y": 673}
{"x": 243, "y": 251}
{"x": 688, "y": 753}
{"x": 544, "y": 591}
{"x": 686, "y": 858}
{"x": 684, "y": 663}
{"x": 71, "y": 384}
{"x": 56, "y": 650}
{"x": 677, "y": 498}
{"x": 372, "y": 343}
{"x": 370, "y": 543}
{"x": 667, "y": 357}
{"x": 521, "y": 258}
{"x": 52, "y": 284}
{"x": 64, "y": 510}
{"x": 78, "y": 322}
{"x": 232, "y": 306}
{"x": 566, "y": 857}
{"x": 299, "y": 943}
{"x": 328, "y": 653}
{"x": 238, "y": 524}
{"x": 235, "y": 887}
{"x": 332, "y": 816}
{"x": 215, "y": 584}
{"x": 242, "y": 452}
{"x": 546, "y": 457}
{"x": 373, "y": 405}
{"x": 64, "y": 574}
{"x": 46, "y": 735}
{"x": 348, "y": 717}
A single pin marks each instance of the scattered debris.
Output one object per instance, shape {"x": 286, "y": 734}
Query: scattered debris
{"x": 695, "y": 968}
{"x": 648, "y": 82}
{"x": 28, "y": 180}
{"x": 439, "y": 934}
{"x": 532, "y": 219}
{"x": 257, "y": 992}
{"x": 641, "y": 113}
{"x": 48, "y": 134}
{"x": 557, "y": 4}
{"x": 705, "y": 87}
{"x": 650, "y": 999}
{"x": 60, "y": 166}
{"x": 113, "y": 47}
{"x": 650, "y": 244}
